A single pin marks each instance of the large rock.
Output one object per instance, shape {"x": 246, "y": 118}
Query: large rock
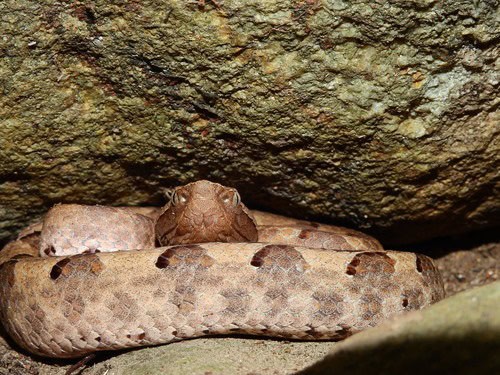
{"x": 379, "y": 115}
{"x": 459, "y": 335}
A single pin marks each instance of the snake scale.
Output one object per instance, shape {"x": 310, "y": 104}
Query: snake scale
{"x": 217, "y": 268}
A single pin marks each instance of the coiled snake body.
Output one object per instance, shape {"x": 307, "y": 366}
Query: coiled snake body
{"x": 230, "y": 271}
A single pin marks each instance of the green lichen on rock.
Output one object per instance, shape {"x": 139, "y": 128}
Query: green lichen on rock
{"x": 379, "y": 115}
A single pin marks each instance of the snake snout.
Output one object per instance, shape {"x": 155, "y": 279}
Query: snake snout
{"x": 210, "y": 220}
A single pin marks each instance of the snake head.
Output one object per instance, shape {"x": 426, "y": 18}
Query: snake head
{"x": 205, "y": 211}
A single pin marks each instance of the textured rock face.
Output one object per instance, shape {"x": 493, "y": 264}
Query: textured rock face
{"x": 379, "y": 115}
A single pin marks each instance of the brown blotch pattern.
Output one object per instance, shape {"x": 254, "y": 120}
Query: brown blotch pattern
{"x": 77, "y": 265}
{"x": 57, "y": 269}
{"x": 366, "y": 263}
{"x": 191, "y": 256}
{"x": 424, "y": 264}
{"x": 277, "y": 293}
{"x": 304, "y": 234}
{"x": 123, "y": 306}
{"x": 371, "y": 306}
{"x": 49, "y": 250}
{"x": 329, "y": 305}
{"x": 428, "y": 270}
{"x": 279, "y": 256}
{"x": 22, "y": 256}
{"x": 238, "y": 302}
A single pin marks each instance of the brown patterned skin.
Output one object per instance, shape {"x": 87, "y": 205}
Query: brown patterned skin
{"x": 70, "y": 306}
{"x": 307, "y": 237}
{"x": 70, "y": 229}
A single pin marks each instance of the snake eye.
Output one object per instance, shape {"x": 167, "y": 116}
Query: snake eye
{"x": 231, "y": 199}
{"x": 236, "y": 199}
{"x": 177, "y": 198}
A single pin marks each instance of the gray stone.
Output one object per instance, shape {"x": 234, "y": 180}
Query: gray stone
{"x": 379, "y": 115}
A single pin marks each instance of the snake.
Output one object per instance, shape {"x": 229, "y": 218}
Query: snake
{"x": 99, "y": 278}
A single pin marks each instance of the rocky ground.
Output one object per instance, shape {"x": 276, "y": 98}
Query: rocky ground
{"x": 465, "y": 263}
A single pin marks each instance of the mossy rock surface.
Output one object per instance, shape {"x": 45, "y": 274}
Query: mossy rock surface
{"x": 377, "y": 115}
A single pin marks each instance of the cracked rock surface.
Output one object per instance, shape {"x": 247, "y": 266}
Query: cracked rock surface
{"x": 380, "y": 115}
